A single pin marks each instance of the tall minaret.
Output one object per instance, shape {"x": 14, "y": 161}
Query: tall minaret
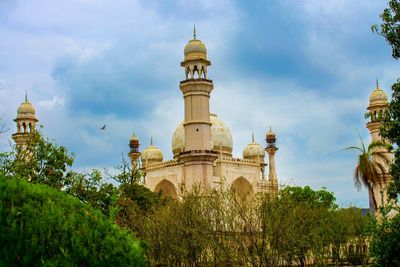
{"x": 26, "y": 123}
{"x": 378, "y": 102}
{"x": 271, "y": 150}
{"x": 198, "y": 156}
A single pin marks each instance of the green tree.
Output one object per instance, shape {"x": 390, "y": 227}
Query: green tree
{"x": 386, "y": 238}
{"x": 42, "y": 226}
{"x": 91, "y": 188}
{"x": 390, "y": 30}
{"x": 385, "y": 245}
{"x": 300, "y": 223}
{"x": 390, "y": 26}
{"x": 39, "y": 161}
{"x": 370, "y": 166}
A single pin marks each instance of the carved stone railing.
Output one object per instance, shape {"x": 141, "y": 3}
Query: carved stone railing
{"x": 239, "y": 161}
{"x": 162, "y": 164}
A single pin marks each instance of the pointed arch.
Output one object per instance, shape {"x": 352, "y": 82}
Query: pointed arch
{"x": 242, "y": 188}
{"x": 167, "y": 188}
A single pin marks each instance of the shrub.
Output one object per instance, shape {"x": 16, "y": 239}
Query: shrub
{"x": 43, "y": 226}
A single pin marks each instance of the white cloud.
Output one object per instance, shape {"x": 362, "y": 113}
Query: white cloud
{"x": 49, "y": 105}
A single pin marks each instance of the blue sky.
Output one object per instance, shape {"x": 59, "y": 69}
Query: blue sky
{"x": 304, "y": 67}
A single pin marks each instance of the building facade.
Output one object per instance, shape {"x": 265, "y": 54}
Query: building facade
{"x": 202, "y": 143}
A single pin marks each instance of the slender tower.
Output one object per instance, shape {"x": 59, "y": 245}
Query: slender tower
{"x": 134, "y": 153}
{"x": 198, "y": 156}
{"x": 378, "y": 102}
{"x": 271, "y": 150}
{"x": 26, "y": 123}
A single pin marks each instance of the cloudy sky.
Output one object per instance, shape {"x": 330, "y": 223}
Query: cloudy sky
{"x": 305, "y": 67}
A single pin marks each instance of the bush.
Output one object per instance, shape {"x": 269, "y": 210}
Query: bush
{"x": 43, "y": 226}
{"x": 385, "y": 246}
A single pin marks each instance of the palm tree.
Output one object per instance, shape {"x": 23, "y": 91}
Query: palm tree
{"x": 371, "y": 167}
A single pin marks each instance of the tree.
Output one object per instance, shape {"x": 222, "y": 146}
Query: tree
{"x": 39, "y": 161}
{"x": 370, "y": 167}
{"x": 386, "y": 238}
{"x": 42, "y": 226}
{"x": 3, "y": 128}
{"x": 390, "y": 30}
{"x": 390, "y": 27}
{"x": 299, "y": 224}
{"x": 385, "y": 245}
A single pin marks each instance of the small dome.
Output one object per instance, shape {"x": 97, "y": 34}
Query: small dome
{"x": 378, "y": 96}
{"x": 152, "y": 154}
{"x": 26, "y": 111}
{"x": 221, "y": 137}
{"x": 253, "y": 151}
{"x": 195, "y": 49}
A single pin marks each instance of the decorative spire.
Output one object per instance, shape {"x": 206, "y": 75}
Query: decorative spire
{"x": 377, "y": 83}
{"x": 270, "y": 129}
{"x": 26, "y": 96}
{"x": 194, "y": 31}
{"x": 134, "y": 137}
{"x": 252, "y": 137}
{"x": 151, "y": 140}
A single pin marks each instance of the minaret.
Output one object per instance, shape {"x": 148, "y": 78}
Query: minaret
{"x": 271, "y": 150}
{"x": 198, "y": 156}
{"x": 26, "y": 123}
{"x": 378, "y": 102}
{"x": 134, "y": 153}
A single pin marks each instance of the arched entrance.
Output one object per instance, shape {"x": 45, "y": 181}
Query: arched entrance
{"x": 167, "y": 188}
{"x": 242, "y": 188}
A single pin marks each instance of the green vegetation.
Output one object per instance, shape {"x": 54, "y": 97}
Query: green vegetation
{"x": 42, "y": 226}
{"x": 386, "y": 237}
{"x": 390, "y": 30}
{"x": 300, "y": 226}
{"x": 385, "y": 246}
{"x": 40, "y": 161}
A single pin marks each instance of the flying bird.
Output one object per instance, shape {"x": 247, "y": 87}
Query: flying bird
{"x": 104, "y": 127}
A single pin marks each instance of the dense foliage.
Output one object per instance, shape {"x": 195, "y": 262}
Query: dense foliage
{"x": 42, "y": 226}
{"x": 390, "y": 30}
{"x": 300, "y": 226}
{"x": 385, "y": 246}
{"x": 39, "y": 161}
{"x": 386, "y": 237}
{"x": 390, "y": 26}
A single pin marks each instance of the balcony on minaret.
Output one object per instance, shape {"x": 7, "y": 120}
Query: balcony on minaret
{"x": 271, "y": 139}
{"x": 195, "y": 61}
{"x": 134, "y": 145}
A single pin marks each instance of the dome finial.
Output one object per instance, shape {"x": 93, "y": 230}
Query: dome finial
{"x": 377, "y": 83}
{"x": 270, "y": 129}
{"x": 252, "y": 137}
{"x": 26, "y": 96}
{"x": 151, "y": 140}
{"x": 194, "y": 31}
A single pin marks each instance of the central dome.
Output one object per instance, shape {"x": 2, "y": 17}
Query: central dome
{"x": 221, "y": 137}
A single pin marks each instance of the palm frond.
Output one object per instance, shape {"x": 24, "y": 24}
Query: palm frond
{"x": 353, "y": 148}
{"x": 357, "y": 177}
